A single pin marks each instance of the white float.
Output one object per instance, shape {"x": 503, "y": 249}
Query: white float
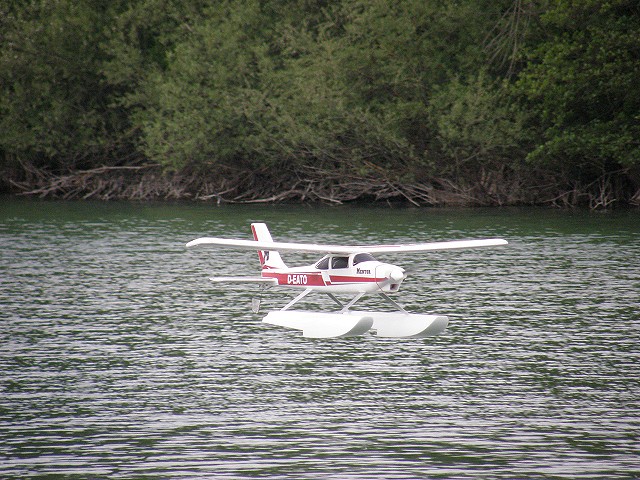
{"x": 321, "y": 325}
{"x": 405, "y": 325}
{"x": 352, "y": 323}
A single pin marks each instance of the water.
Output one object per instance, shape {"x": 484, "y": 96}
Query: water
{"x": 119, "y": 360}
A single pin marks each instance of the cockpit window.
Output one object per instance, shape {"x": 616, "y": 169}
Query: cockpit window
{"x": 323, "y": 264}
{"x": 339, "y": 262}
{"x": 363, "y": 257}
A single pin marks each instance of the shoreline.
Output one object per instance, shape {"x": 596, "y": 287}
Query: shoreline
{"x": 148, "y": 182}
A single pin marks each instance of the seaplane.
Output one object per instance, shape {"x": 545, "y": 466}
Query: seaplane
{"x": 341, "y": 270}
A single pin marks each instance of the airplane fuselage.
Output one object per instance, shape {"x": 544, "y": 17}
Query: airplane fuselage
{"x": 355, "y": 273}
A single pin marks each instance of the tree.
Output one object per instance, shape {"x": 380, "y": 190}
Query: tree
{"x": 581, "y": 83}
{"x": 478, "y": 124}
{"x": 201, "y": 110}
{"x": 54, "y": 102}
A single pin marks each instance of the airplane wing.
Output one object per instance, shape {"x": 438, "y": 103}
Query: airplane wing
{"x": 344, "y": 249}
{"x": 425, "y": 247}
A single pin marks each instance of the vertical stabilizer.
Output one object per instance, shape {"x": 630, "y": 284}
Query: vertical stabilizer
{"x": 268, "y": 258}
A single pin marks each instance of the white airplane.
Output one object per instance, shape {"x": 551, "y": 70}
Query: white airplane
{"x": 343, "y": 269}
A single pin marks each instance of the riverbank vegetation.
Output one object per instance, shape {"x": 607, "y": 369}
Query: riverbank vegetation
{"x": 467, "y": 102}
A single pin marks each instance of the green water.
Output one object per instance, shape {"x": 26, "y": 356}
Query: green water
{"x": 118, "y": 359}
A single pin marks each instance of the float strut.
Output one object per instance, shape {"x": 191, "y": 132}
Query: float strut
{"x": 297, "y": 299}
{"x": 352, "y": 302}
{"x": 392, "y": 302}
{"x": 333, "y": 297}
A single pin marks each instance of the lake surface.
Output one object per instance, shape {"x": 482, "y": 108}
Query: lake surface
{"x": 118, "y": 359}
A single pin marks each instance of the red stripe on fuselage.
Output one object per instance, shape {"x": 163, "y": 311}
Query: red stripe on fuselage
{"x": 296, "y": 279}
{"x": 350, "y": 279}
{"x": 314, "y": 279}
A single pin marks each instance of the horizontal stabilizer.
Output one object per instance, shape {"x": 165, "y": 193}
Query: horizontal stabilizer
{"x": 270, "y": 281}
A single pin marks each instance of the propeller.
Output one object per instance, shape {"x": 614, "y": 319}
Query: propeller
{"x": 392, "y": 273}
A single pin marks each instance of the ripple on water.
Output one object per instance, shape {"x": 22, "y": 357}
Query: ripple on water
{"x": 119, "y": 360}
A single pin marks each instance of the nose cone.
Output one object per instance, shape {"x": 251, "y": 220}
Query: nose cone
{"x": 397, "y": 274}
{"x": 390, "y": 277}
{"x": 392, "y": 273}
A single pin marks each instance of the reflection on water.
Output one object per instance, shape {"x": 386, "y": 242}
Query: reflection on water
{"x": 119, "y": 360}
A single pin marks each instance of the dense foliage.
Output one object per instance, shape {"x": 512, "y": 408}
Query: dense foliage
{"x": 582, "y": 81}
{"x": 493, "y": 97}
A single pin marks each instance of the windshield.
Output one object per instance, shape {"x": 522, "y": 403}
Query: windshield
{"x": 363, "y": 257}
{"x": 323, "y": 264}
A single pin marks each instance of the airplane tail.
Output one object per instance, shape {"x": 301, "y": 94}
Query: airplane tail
{"x": 268, "y": 258}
